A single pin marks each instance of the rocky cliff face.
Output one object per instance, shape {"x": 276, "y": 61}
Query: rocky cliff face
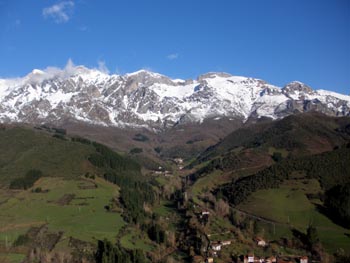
{"x": 151, "y": 100}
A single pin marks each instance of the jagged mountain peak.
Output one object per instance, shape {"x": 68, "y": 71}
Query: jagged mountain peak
{"x": 152, "y": 100}
{"x": 144, "y": 72}
{"x": 213, "y": 75}
{"x": 297, "y": 86}
{"x": 147, "y": 78}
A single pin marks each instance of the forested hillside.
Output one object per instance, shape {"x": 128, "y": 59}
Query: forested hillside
{"x": 300, "y": 134}
{"x": 55, "y": 154}
{"x": 76, "y": 189}
{"x": 330, "y": 169}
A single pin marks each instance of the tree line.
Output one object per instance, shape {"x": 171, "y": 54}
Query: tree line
{"x": 330, "y": 168}
{"x": 27, "y": 181}
{"x": 109, "y": 253}
{"x": 337, "y": 201}
{"x": 135, "y": 191}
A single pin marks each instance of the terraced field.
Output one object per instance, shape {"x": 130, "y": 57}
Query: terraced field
{"x": 76, "y": 207}
{"x": 289, "y": 207}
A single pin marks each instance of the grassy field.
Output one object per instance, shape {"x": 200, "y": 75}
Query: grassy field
{"x": 205, "y": 184}
{"x": 209, "y": 182}
{"x": 289, "y": 207}
{"x": 84, "y": 217}
{"x": 166, "y": 208}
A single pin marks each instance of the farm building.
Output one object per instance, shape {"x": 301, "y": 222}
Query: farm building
{"x": 225, "y": 242}
{"x": 260, "y": 242}
{"x": 216, "y": 246}
{"x": 249, "y": 258}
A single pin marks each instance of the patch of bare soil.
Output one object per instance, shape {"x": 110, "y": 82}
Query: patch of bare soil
{"x": 65, "y": 199}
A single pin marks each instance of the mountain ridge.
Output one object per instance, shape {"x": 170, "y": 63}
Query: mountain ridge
{"x": 145, "y": 99}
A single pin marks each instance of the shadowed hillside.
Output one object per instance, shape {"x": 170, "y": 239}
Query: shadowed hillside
{"x": 50, "y": 151}
{"x": 300, "y": 134}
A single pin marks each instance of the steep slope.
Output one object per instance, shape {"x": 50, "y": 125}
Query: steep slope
{"x": 256, "y": 147}
{"x": 24, "y": 148}
{"x": 275, "y": 176}
{"x": 330, "y": 169}
{"x": 301, "y": 134}
{"x": 151, "y": 100}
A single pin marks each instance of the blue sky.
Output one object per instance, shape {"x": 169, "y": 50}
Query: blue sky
{"x": 276, "y": 40}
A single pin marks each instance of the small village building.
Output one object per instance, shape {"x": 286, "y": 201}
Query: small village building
{"x": 304, "y": 259}
{"x": 225, "y": 242}
{"x": 205, "y": 212}
{"x": 168, "y": 173}
{"x": 216, "y": 246}
{"x": 209, "y": 260}
{"x": 249, "y": 258}
{"x": 260, "y": 242}
{"x": 178, "y": 160}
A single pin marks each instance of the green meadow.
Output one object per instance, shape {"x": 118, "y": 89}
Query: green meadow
{"x": 84, "y": 217}
{"x": 289, "y": 207}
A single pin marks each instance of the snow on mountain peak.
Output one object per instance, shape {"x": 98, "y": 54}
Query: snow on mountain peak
{"x": 70, "y": 70}
{"x": 297, "y": 86}
{"x": 148, "y": 99}
{"x": 37, "y": 72}
{"x": 143, "y": 72}
{"x": 214, "y": 75}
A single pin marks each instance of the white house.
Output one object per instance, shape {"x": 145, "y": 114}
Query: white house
{"x": 216, "y": 246}
{"x": 226, "y": 242}
{"x": 260, "y": 242}
{"x": 249, "y": 259}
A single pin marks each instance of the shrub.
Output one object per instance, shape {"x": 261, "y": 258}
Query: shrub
{"x": 140, "y": 137}
{"x": 21, "y": 240}
{"x": 27, "y": 181}
{"x": 136, "y": 150}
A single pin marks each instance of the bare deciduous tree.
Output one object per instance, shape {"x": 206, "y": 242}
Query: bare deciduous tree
{"x": 222, "y": 208}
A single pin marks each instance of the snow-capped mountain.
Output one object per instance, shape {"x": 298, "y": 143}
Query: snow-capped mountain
{"x": 148, "y": 99}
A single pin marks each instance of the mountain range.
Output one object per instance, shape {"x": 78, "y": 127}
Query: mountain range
{"x": 145, "y": 99}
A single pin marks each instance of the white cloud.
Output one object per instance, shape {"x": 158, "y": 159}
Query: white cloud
{"x": 52, "y": 72}
{"x": 69, "y": 70}
{"x": 172, "y": 56}
{"x": 60, "y": 12}
{"x": 102, "y": 67}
